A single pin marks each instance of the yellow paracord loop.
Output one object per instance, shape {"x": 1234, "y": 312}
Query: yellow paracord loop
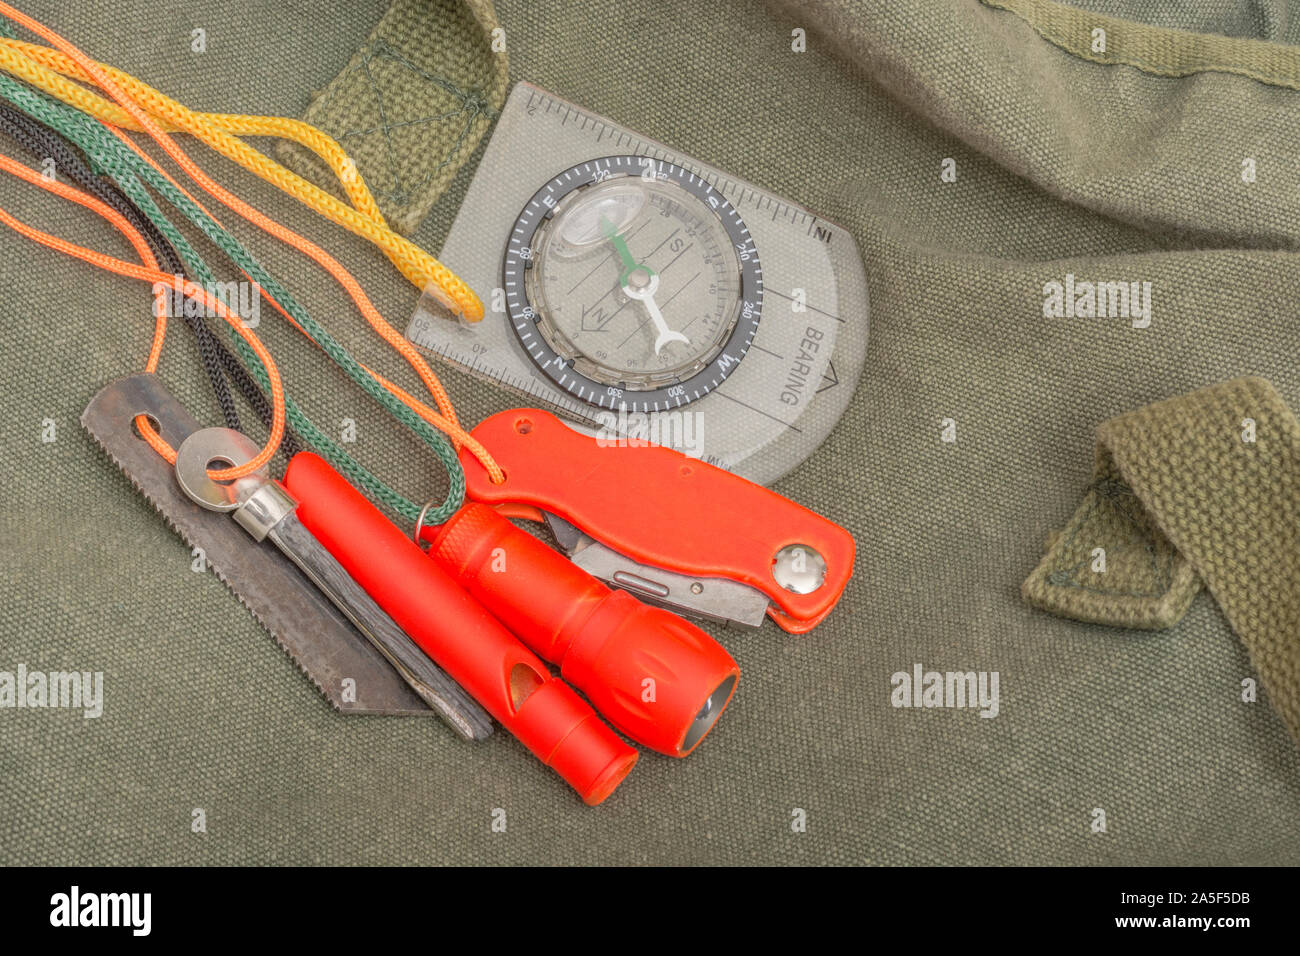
{"x": 48, "y": 69}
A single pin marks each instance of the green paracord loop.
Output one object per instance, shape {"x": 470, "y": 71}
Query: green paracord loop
{"x": 108, "y": 155}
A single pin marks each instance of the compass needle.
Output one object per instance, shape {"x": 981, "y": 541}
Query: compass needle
{"x": 605, "y": 222}
{"x": 624, "y": 253}
{"x": 646, "y": 296}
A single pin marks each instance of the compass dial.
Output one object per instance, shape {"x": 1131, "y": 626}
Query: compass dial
{"x": 632, "y": 283}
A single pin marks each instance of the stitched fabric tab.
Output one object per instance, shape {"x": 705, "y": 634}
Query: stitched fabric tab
{"x": 1206, "y": 485}
{"x": 1112, "y": 564}
{"x": 412, "y": 103}
{"x": 1158, "y": 50}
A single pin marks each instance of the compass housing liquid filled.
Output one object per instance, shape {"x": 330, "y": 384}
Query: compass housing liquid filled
{"x": 632, "y": 283}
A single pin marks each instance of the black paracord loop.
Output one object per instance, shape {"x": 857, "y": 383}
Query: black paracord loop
{"x": 218, "y": 361}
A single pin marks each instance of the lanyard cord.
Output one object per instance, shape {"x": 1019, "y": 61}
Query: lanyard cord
{"x": 111, "y": 154}
{"x": 161, "y": 281}
{"x": 42, "y": 144}
{"x": 46, "y": 69}
{"x": 129, "y": 171}
{"x": 350, "y": 285}
{"x": 218, "y": 362}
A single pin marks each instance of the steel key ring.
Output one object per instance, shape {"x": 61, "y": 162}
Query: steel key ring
{"x": 419, "y": 526}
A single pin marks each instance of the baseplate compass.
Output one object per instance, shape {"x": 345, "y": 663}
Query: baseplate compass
{"x": 590, "y": 311}
{"x": 647, "y": 295}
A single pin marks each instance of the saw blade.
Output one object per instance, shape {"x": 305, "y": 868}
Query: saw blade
{"x": 344, "y": 666}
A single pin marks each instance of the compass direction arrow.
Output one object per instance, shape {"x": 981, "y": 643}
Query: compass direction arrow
{"x": 829, "y": 378}
{"x": 598, "y": 319}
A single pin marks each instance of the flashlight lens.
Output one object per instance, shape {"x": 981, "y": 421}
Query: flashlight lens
{"x": 708, "y": 714}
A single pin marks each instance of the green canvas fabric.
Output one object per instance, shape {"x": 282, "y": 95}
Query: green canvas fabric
{"x": 1064, "y": 166}
{"x": 1201, "y": 486}
{"x": 1156, "y": 49}
{"x": 1137, "y": 579}
{"x": 412, "y": 103}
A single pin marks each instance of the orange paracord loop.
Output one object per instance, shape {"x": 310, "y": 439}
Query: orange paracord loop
{"x": 73, "y": 61}
{"x": 161, "y": 281}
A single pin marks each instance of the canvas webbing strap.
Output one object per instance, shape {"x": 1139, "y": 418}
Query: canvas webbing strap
{"x": 1162, "y": 51}
{"x": 412, "y": 103}
{"x": 1204, "y": 487}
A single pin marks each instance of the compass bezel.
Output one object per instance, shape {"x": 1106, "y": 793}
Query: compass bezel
{"x": 523, "y": 315}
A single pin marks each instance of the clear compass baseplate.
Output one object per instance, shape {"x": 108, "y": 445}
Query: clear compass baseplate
{"x": 648, "y": 296}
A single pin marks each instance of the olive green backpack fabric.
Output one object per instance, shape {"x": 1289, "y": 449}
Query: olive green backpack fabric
{"x": 983, "y": 155}
{"x": 412, "y": 103}
{"x": 1202, "y": 487}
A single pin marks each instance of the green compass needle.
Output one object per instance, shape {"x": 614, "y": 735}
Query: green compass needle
{"x": 630, "y": 265}
{"x": 643, "y": 288}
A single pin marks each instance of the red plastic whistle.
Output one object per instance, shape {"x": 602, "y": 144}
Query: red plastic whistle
{"x": 511, "y": 683}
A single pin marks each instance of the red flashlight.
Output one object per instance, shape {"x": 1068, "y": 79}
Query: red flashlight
{"x": 657, "y": 678}
{"x": 511, "y": 683}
